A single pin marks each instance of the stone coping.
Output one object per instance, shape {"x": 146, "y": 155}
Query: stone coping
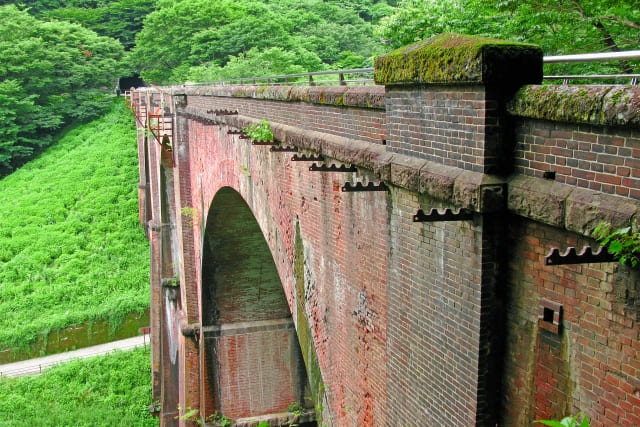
{"x": 337, "y": 96}
{"x": 575, "y": 209}
{"x": 608, "y": 105}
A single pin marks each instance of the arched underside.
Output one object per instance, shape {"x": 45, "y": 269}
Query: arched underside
{"x": 253, "y": 365}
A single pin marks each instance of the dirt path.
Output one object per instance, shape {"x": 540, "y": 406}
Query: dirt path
{"x": 37, "y": 365}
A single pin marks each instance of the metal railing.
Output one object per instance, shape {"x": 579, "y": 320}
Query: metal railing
{"x": 364, "y": 76}
{"x": 593, "y": 57}
{"x": 339, "y": 77}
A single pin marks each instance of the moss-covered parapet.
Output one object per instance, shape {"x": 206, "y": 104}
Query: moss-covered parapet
{"x": 338, "y": 96}
{"x": 597, "y": 105}
{"x": 455, "y": 58}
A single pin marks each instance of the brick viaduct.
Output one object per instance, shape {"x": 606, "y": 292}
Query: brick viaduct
{"x": 273, "y": 282}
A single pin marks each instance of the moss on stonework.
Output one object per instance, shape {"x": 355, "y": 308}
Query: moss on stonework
{"x": 305, "y": 337}
{"x": 598, "y": 105}
{"x": 456, "y": 58}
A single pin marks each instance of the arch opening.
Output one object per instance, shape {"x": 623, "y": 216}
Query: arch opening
{"x": 252, "y": 363}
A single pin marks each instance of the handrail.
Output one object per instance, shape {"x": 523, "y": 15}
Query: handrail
{"x": 593, "y": 57}
{"x": 284, "y": 79}
{"x": 565, "y": 78}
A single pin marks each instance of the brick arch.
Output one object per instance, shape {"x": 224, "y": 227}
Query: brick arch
{"x": 247, "y": 326}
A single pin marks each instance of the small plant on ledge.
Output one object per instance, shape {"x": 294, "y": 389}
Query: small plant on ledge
{"x": 566, "y": 422}
{"x": 622, "y": 243}
{"x": 189, "y": 213}
{"x": 259, "y": 132}
{"x": 170, "y": 282}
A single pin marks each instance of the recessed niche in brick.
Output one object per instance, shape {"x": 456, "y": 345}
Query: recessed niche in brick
{"x": 550, "y": 316}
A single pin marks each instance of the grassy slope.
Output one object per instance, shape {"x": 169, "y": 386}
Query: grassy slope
{"x": 71, "y": 248}
{"x": 112, "y": 390}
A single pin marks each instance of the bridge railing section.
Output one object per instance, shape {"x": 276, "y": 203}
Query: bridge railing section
{"x": 364, "y": 76}
{"x": 593, "y": 57}
{"x": 354, "y": 76}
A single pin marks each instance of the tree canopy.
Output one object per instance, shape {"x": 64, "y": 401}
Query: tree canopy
{"x": 118, "y": 19}
{"x": 184, "y": 37}
{"x": 50, "y": 72}
{"x": 558, "y": 27}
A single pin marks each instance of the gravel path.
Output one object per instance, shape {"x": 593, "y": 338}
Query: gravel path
{"x": 37, "y": 365}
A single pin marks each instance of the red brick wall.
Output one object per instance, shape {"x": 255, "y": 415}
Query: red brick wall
{"x": 438, "y": 295}
{"x": 257, "y": 373}
{"x": 450, "y": 125}
{"x": 365, "y": 124}
{"x": 593, "y": 364}
{"x": 605, "y": 159}
{"x": 344, "y": 239}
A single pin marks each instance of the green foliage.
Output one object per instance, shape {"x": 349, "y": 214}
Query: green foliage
{"x": 259, "y": 132}
{"x": 193, "y": 415}
{"x": 188, "y": 211}
{"x": 111, "y": 390}
{"x": 206, "y": 40}
{"x": 120, "y": 19}
{"x": 272, "y": 61}
{"x": 566, "y": 422}
{"x": 557, "y": 27}
{"x": 623, "y": 243}
{"x": 51, "y": 73}
{"x": 296, "y": 410}
{"x": 416, "y": 20}
{"x": 188, "y": 414}
{"x": 16, "y": 124}
{"x": 71, "y": 247}
{"x": 368, "y": 10}
{"x": 220, "y": 420}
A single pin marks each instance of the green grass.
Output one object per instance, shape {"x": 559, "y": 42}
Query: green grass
{"x": 111, "y": 390}
{"x": 71, "y": 247}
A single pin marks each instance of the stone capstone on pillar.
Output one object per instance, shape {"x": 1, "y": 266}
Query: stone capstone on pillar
{"x": 460, "y": 59}
{"x": 446, "y": 96}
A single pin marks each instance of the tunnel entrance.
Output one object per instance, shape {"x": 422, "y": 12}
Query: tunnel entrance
{"x": 252, "y": 360}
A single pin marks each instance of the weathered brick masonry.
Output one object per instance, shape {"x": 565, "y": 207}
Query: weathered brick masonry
{"x": 588, "y": 136}
{"x": 290, "y": 290}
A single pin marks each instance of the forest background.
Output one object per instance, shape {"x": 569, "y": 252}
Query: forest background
{"x": 60, "y": 63}
{"x": 60, "y": 59}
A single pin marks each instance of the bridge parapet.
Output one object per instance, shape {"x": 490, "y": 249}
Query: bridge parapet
{"x": 583, "y": 136}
